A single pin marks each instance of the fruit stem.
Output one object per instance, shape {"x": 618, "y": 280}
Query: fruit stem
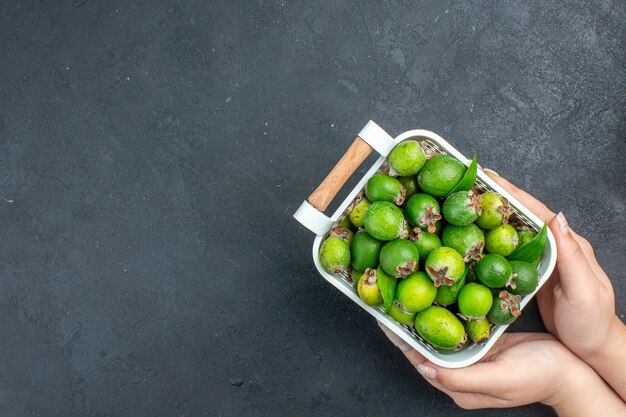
{"x": 370, "y": 277}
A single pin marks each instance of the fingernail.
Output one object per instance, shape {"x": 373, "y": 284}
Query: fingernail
{"x": 491, "y": 172}
{"x": 427, "y": 371}
{"x": 563, "y": 226}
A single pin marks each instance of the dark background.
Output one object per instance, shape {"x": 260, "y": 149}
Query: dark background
{"x": 152, "y": 154}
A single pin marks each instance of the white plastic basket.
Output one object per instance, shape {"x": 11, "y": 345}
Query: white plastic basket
{"x": 311, "y": 215}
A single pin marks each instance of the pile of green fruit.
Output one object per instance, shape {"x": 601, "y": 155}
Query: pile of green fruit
{"x": 437, "y": 254}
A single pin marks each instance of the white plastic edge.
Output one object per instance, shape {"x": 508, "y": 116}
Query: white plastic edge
{"x": 315, "y": 220}
{"x": 377, "y": 138}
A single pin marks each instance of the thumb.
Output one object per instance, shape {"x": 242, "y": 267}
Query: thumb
{"x": 574, "y": 269}
{"x": 476, "y": 378}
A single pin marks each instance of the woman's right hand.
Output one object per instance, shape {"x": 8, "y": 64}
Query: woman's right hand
{"x": 577, "y": 304}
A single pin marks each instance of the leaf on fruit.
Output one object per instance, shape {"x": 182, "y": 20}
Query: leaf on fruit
{"x": 532, "y": 251}
{"x": 468, "y": 180}
{"x": 387, "y": 286}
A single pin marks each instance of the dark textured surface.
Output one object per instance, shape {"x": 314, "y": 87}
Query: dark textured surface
{"x": 152, "y": 153}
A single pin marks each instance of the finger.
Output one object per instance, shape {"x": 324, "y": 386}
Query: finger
{"x": 484, "y": 378}
{"x": 543, "y": 212}
{"x": 545, "y": 301}
{"x": 586, "y": 247}
{"x": 476, "y": 378}
{"x": 428, "y": 370}
{"x": 514, "y": 339}
{"x": 470, "y": 400}
{"x": 593, "y": 262}
{"x": 414, "y": 357}
{"x": 411, "y": 354}
{"x": 395, "y": 339}
{"x": 537, "y": 207}
{"x": 574, "y": 269}
{"x": 474, "y": 401}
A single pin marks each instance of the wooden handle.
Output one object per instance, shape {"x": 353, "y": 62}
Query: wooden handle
{"x": 349, "y": 162}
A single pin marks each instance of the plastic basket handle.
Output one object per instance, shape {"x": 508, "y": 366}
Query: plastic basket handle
{"x": 310, "y": 213}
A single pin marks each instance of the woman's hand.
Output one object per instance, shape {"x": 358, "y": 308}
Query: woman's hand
{"x": 577, "y": 304}
{"x": 521, "y": 368}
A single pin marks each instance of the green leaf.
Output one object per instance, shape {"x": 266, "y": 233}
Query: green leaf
{"x": 468, "y": 180}
{"x": 387, "y": 286}
{"x": 532, "y": 251}
{"x": 536, "y": 262}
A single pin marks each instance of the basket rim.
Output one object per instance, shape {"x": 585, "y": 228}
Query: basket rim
{"x": 465, "y": 356}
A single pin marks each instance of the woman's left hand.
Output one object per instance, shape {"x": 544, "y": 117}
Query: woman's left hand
{"x": 520, "y": 369}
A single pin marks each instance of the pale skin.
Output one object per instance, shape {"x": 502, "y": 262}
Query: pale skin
{"x": 567, "y": 369}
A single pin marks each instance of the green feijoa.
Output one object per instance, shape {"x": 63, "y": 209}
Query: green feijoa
{"x": 335, "y": 255}
{"x": 505, "y": 308}
{"x": 525, "y": 236}
{"x": 493, "y": 270}
{"x": 356, "y": 275}
{"x": 445, "y": 296}
{"x": 416, "y": 292}
{"x": 368, "y": 288}
{"x": 422, "y": 210}
{"x": 440, "y": 328}
{"x": 342, "y": 233}
{"x": 440, "y": 174}
{"x": 399, "y": 314}
{"x": 444, "y": 266}
{"x": 410, "y": 185}
{"x": 474, "y": 301}
{"x": 382, "y": 187}
{"x": 407, "y": 158}
{"x": 462, "y": 208}
{"x": 471, "y": 266}
{"x": 399, "y": 258}
{"x": 425, "y": 242}
{"x": 346, "y": 223}
{"x": 448, "y": 294}
{"x": 385, "y": 221}
{"x": 478, "y": 331}
{"x": 468, "y": 240}
{"x": 524, "y": 279}
{"x": 357, "y": 214}
{"x": 502, "y": 240}
{"x": 495, "y": 210}
{"x": 365, "y": 251}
